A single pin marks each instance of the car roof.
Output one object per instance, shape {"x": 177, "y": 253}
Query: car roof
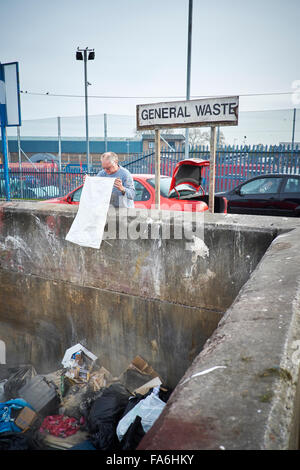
{"x": 148, "y": 175}
{"x": 272, "y": 175}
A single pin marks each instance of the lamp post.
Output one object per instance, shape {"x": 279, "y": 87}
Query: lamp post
{"x": 85, "y": 55}
{"x": 293, "y": 132}
{"x": 188, "y": 71}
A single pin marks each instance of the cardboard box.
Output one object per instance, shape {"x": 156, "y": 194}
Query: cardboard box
{"x": 151, "y": 384}
{"x": 137, "y": 374}
{"x": 142, "y": 366}
{"x": 25, "y": 418}
{"x": 101, "y": 378}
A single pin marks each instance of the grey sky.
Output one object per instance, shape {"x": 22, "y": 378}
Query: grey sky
{"x": 239, "y": 47}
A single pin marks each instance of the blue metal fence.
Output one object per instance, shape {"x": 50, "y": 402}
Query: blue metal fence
{"x": 233, "y": 165}
{"x": 34, "y": 184}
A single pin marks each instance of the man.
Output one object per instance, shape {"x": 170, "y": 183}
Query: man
{"x": 269, "y": 186}
{"x": 123, "y": 192}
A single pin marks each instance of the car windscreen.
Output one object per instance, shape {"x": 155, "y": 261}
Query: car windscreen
{"x": 165, "y": 183}
{"x": 267, "y": 185}
{"x": 77, "y": 195}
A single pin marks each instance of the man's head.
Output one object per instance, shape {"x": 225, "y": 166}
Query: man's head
{"x": 109, "y": 162}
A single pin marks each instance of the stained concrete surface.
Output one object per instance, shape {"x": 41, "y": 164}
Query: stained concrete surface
{"x": 153, "y": 297}
{"x": 252, "y": 402}
{"x": 163, "y": 301}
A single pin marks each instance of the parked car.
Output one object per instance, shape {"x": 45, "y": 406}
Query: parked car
{"x": 270, "y": 194}
{"x": 182, "y": 191}
{"x": 41, "y": 192}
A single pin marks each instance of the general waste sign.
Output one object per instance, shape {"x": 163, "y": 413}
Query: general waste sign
{"x": 193, "y": 113}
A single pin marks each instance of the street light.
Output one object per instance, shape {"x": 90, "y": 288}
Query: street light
{"x": 188, "y": 72}
{"x": 85, "y": 55}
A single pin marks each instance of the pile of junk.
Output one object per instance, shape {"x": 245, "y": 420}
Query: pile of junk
{"x": 80, "y": 406}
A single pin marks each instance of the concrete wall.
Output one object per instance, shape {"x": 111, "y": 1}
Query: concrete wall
{"x": 153, "y": 297}
{"x": 228, "y": 308}
{"x": 247, "y": 394}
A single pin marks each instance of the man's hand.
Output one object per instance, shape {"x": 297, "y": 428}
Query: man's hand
{"x": 118, "y": 184}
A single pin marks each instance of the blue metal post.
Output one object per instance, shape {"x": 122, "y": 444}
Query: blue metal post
{"x": 5, "y": 161}
{"x": 3, "y": 133}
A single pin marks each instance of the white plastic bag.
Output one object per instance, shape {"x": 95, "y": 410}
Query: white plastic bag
{"x": 88, "y": 226}
{"x": 148, "y": 409}
{"x": 2, "y": 393}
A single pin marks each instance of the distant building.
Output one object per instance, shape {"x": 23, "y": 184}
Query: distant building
{"x": 74, "y": 149}
{"x": 286, "y": 144}
{"x": 168, "y": 141}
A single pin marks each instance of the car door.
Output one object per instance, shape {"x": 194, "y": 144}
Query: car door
{"x": 76, "y": 195}
{"x": 289, "y": 200}
{"x": 143, "y": 197}
{"x": 256, "y": 197}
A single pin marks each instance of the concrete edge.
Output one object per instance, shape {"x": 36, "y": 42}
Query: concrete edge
{"x": 221, "y": 220}
{"x": 286, "y": 397}
{"x": 231, "y": 408}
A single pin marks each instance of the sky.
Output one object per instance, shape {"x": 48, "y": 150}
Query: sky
{"x": 239, "y": 47}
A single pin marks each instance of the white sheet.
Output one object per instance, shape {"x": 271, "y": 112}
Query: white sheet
{"x": 88, "y": 226}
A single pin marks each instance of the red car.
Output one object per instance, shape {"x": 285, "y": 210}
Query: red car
{"x": 182, "y": 191}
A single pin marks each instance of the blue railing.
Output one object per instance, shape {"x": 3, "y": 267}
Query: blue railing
{"x": 233, "y": 166}
{"x": 34, "y": 184}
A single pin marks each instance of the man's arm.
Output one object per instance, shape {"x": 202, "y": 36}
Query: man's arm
{"x": 129, "y": 187}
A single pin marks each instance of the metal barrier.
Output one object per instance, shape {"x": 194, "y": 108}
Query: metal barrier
{"x": 39, "y": 185}
{"x": 233, "y": 166}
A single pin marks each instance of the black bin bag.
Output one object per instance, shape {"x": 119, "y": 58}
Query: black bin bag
{"x": 133, "y": 436}
{"x": 104, "y": 415}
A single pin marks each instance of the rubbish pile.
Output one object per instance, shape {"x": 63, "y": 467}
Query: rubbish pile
{"x": 80, "y": 406}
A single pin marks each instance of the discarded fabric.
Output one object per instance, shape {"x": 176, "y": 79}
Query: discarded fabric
{"x": 9, "y": 411}
{"x": 60, "y": 426}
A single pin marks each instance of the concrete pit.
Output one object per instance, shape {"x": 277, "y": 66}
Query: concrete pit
{"x": 225, "y": 305}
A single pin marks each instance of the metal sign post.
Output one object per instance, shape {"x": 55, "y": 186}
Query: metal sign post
{"x": 210, "y": 112}
{"x": 10, "y": 114}
{"x": 3, "y": 120}
{"x": 157, "y": 169}
{"x": 59, "y": 153}
{"x": 212, "y": 172}
{"x": 5, "y": 160}
{"x": 20, "y": 160}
